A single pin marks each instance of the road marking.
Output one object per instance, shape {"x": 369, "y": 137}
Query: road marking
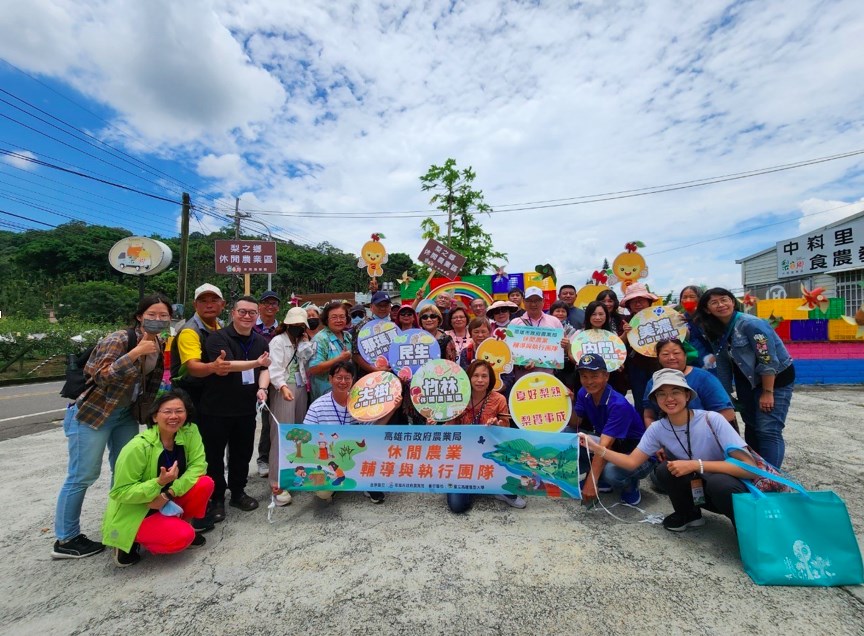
{"x": 21, "y": 417}
{"x": 24, "y": 395}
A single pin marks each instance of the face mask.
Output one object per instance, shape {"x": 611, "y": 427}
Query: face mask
{"x": 689, "y": 306}
{"x": 314, "y": 322}
{"x": 297, "y": 331}
{"x": 153, "y": 326}
{"x": 356, "y": 320}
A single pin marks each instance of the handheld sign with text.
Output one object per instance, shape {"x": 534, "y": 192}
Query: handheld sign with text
{"x": 440, "y": 390}
{"x": 604, "y": 343}
{"x": 441, "y": 259}
{"x": 539, "y": 402}
{"x": 375, "y": 338}
{"x": 540, "y": 345}
{"x": 411, "y": 349}
{"x": 374, "y": 396}
{"x": 654, "y": 324}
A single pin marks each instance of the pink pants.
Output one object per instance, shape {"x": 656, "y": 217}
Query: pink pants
{"x": 159, "y": 534}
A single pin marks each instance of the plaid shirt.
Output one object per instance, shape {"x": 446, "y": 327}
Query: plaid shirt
{"x": 115, "y": 374}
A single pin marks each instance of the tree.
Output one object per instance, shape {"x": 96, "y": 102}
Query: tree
{"x": 454, "y": 195}
{"x": 299, "y": 436}
{"x": 97, "y": 301}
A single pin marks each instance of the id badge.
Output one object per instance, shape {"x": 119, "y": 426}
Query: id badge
{"x": 298, "y": 380}
{"x": 697, "y": 489}
{"x": 248, "y": 376}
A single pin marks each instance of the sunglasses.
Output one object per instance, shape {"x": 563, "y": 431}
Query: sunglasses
{"x": 428, "y": 317}
{"x": 406, "y": 313}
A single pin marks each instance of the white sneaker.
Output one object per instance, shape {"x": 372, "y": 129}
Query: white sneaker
{"x": 513, "y": 501}
{"x": 283, "y": 498}
{"x": 263, "y": 469}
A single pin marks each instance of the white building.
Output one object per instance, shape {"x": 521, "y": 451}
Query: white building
{"x": 831, "y": 256}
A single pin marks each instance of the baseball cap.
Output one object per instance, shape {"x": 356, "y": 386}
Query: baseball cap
{"x": 207, "y": 288}
{"x": 533, "y": 291}
{"x": 357, "y": 309}
{"x": 380, "y": 297}
{"x": 269, "y": 294}
{"x": 591, "y": 362}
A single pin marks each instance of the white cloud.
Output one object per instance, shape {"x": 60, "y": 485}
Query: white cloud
{"x": 18, "y": 160}
{"x": 339, "y": 108}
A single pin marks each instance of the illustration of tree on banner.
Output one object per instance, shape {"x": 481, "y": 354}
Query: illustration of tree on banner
{"x": 464, "y": 234}
{"x": 299, "y": 436}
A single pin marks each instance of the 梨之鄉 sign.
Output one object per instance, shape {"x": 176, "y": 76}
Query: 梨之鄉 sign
{"x": 245, "y": 257}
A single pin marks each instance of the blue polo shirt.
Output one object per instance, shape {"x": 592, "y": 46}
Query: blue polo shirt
{"x": 613, "y": 416}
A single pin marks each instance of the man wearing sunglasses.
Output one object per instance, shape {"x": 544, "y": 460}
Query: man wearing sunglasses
{"x": 228, "y": 405}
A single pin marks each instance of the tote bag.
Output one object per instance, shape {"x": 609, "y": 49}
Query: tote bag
{"x": 797, "y": 538}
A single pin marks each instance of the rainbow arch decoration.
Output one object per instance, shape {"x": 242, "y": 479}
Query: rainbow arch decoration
{"x": 461, "y": 289}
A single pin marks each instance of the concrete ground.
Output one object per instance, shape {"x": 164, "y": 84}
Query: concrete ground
{"x": 411, "y": 567}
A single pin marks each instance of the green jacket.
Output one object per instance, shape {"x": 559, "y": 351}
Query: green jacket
{"x": 135, "y": 484}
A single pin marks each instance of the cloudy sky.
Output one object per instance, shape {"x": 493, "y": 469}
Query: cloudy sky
{"x": 322, "y": 116}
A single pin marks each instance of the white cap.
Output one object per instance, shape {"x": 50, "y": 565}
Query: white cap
{"x": 533, "y": 291}
{"x": 208, "y": 288}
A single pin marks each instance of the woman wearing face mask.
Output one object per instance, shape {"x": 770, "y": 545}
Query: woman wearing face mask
{"x": 290, "y": 352}
{"x": 120, "y": 388}
{"x": 688, "y": 300}
{"x": 313, "y": 318}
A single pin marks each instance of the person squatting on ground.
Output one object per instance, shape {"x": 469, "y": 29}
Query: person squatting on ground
{"x": 695, "y": 475}
{"x": 160, "y": 485}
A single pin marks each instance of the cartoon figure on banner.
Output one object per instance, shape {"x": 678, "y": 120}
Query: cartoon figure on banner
{"x": 373, "y": 256}
{"x": 628, "y": 267}
{"x": 497, "y": 353}
{"x": 588, "y": 293}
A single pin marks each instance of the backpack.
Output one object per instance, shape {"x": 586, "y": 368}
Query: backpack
{"x": 179, "y": 377}
{"x": 76, "y": 380}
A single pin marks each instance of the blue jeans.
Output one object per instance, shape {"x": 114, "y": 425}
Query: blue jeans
{"x": 623, "y": 479}
{"x": 763, "y": 431}
{"x": 86, "y": 449}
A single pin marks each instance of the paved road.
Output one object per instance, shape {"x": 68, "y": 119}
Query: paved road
{"x": 30, "y": 408}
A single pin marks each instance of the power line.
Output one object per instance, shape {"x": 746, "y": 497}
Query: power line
{"x": 27, "y": 218}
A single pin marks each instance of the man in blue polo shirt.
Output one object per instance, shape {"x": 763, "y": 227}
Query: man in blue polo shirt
{"x": 618, "y": 426}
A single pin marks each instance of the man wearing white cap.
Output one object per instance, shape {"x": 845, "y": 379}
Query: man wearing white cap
{"x": 189, "y": 365}
{"x": 534, "y": 317}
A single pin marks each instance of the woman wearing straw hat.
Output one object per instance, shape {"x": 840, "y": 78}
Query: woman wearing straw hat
{"x": 695, "y": 475}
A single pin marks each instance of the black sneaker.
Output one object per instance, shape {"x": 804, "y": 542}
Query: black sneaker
{"x": 244, "y": 502}
{"x": 76, "y": 548}
{"x": 680, "y": 521}
{"x": 125, "y": 559}
{"x": 198, "y": 541}
{"x": 204, "y": 524}
{"x": 216, "y": 510}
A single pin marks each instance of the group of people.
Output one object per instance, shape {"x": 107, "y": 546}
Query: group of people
{"x": 168, "y": 482}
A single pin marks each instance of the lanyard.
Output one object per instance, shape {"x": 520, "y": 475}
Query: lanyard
{"x": 687, "y": 450}
{"x": 341, "y": 418}
{"x": 726, "y": 335}
{"x": 248, "y": 346}
{"x": 531, "y": 323}
{"x": 475, "y": 419}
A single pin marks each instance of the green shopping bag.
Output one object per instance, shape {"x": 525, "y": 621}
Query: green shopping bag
{"x": 796, "y": 538}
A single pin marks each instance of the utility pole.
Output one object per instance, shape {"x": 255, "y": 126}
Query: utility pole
{"x": 237, "y": 218}
{"x": 184, "y": 250}
{"x": 449, "y": 216}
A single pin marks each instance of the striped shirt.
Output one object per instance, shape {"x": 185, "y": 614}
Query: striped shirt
{"x": 325, "y": 410}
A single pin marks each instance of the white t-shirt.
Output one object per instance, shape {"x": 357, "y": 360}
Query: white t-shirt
{"x": 703, "y": 444}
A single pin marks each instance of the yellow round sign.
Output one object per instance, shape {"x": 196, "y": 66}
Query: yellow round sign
{"x": 539, "y": 402}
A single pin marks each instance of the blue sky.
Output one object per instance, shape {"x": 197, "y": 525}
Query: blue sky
{"x": 322, "y": 117}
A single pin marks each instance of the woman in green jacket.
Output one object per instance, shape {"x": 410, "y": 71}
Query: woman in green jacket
{"x": 160, "y": 485}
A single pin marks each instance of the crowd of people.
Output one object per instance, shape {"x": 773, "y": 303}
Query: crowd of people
{"x": 169, "y": 483}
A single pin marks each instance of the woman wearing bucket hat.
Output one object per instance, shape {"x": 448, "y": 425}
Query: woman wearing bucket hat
{"x": 695, "y": 475}
{"x": 290, "y": 352}
{"x": 639, "y": 367}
